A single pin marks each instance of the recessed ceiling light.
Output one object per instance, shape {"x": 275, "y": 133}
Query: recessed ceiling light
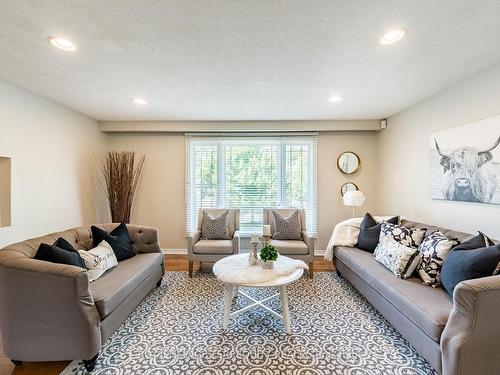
{"x": 393, "y": 36}
{"x": 62, "y": 43}
{"x": 335, "y": 99}
{"x": 140, "y": 101}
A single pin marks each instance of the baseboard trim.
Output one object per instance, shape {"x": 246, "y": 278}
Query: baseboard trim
{"x": 174, "y": 251}
{"x": 317, "y": 252}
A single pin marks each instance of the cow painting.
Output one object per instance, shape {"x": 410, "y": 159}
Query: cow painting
{"x": 468, "y": 174}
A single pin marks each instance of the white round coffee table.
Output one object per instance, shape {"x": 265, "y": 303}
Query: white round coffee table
{"x": 232, "y": 288}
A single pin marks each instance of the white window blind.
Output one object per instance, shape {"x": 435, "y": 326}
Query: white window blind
{"x": 251, "y": 172}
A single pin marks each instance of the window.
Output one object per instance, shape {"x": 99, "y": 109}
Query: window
{"x": 251, "y": 173}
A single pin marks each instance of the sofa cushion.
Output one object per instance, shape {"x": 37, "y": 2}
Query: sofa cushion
{"x": 290, "y": 247}
{"x": 428, "y": 308}
{"x": 369, "y": 232}
{"x": 400, "y": 260}
{"x": 434, "y": 250}
{"x": 112, "y": 288}
{"x": 213, "y": 247}
{"x": 461, "y": 265}
{"x": 411, "y": 237}
{"x": 118, "y": 238}
{"x": 56, "y": 254}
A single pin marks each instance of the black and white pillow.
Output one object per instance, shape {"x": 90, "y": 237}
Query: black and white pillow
{"x": 410, "y": 237}
{"x": 434, "y": 250}
{"x": 399, "y": 259}
{"x": 287, "y": 228}
{"x": 215, "y": 228}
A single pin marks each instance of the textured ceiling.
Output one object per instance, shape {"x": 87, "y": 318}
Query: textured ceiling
{"x": 246, "y": 59}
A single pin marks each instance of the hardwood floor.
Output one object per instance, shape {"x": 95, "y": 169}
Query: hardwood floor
{"x": 172, "y": 263}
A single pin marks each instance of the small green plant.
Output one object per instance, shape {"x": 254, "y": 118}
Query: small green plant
{"x": 268, "y": 253}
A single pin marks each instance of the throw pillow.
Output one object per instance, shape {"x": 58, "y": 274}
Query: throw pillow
{"x": 410, "y": 237}
{"x": 481, "y": 240}
{"x": 401, "y": 260}
{"x": 98, "y": 260}
{"x": 55, "y": 254}
{"x": 118, "y": 238}
{"x": 369, "y": 232}
{"x": 287, "y": 228}
{"x": 467, "y": 265}
{"x": 215, "y": 228}
{"x": 63, "y": 244}
{"x": 434, "y": 249}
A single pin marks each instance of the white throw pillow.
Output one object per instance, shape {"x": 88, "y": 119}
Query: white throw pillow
{"x": 98, "y": 260}
{"x": 401, "y": 260}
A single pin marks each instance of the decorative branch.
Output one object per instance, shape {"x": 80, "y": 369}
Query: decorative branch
{"x": 121, "y": 172}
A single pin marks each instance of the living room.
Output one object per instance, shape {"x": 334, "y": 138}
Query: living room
{"x": 270, "y": 160}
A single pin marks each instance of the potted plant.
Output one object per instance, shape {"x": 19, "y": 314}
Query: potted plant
{"x": 268, "y": 255}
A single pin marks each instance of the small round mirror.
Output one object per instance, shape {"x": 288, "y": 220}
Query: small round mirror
{"x": 348, "y": 186}
{"x": 348, "y": 162}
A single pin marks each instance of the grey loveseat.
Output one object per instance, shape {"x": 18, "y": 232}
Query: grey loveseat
{"x": 50, "y": 311}
{"x": 457, "y": 336}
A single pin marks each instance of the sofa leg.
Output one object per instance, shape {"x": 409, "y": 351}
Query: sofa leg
{"x": 90, "y": 363}
{"x": 339, "y": 274}
{"x": 158, "y": 284}
{"x": 190, "y": 268}
{"x": 17, "y": 363}
{"x": 311, "y": 270}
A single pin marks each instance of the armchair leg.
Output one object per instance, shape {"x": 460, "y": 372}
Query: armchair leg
{"x": 190, "y": 268}
{"x": 311, "y": 270}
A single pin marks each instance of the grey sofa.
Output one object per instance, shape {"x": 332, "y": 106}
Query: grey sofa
{"x": 457, "y": 336}
{"x": 50, "y": 311}
{"x": 297, "y": 249}
{"x": 210, "y": 251}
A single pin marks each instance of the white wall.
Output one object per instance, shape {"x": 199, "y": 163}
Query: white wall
{"x": 161, "y": 198}
{"x": 53, "y": 172}
{"x": 404, "y": 153}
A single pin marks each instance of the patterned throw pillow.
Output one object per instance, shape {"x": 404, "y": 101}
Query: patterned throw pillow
{"x": 215, "y": 228}
{"x": 410, "y": 237}
{"x": 287, "y": 228}
{"x": 434, "y": 249}
{"x": 98, "y": 260}
{"x": 401, "y": 260}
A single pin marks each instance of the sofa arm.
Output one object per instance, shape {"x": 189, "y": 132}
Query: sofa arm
{"x": 191, "y": 240}
{"x": 236, "y": 242}
{"x": 144, "y": 239}
{"x": 467, "y": 342}
{"x": 309, "y": 240}
{"x": 47, "y": 311}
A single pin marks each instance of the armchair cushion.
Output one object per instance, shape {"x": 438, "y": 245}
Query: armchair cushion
{"x": 287, "y": 228}
{"x": 118, "y": 238}
{"x": 215, "y": 227}
{"x": 290, "y": 247}
{"x": 213, "y": 247}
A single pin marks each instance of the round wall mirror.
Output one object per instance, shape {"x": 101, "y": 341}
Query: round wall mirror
{"x": 348, "y": 186}
{"x": 348, "y": 162}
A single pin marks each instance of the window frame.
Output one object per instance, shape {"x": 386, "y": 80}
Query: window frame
{"x": 221, "y": 141}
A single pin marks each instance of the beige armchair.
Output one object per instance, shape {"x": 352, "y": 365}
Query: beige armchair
{"x": 212, "y": 250}
{"x": 297, "y": 249}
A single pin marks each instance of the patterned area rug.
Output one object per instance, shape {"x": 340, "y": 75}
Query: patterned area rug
{"x": 177, "y": 329}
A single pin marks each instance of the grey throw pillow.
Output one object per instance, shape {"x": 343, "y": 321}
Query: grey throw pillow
{"x": 287, "y": 228}
{"x": 215, "y": 228}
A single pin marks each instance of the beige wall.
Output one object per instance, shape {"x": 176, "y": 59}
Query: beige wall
{"x": 53, "y": 175}
{"x": 404, "y": 153}
{"x": 160, "y": 200}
